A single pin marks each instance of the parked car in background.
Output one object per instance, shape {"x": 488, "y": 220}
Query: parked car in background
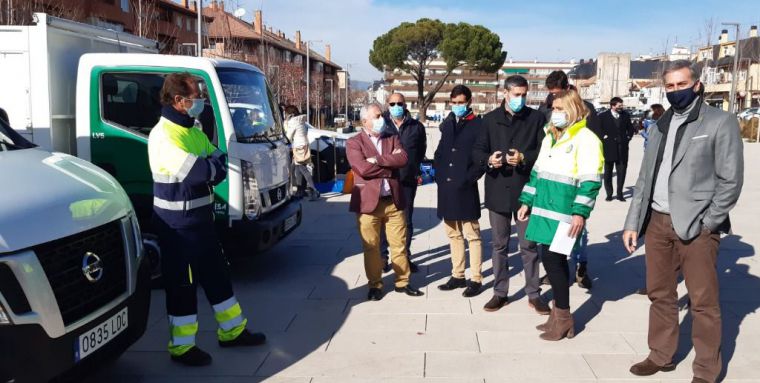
{"x": 748, "y": 114}
{"x": 339, "y": 119}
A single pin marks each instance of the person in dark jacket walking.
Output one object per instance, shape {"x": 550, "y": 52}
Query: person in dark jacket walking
{"x": 413, "y": 138}
{"x": 458, "y": 196}
{"x": 616, "y": 131}
{"x": 506, "y": 150}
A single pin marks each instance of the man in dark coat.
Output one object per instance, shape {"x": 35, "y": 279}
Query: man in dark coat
{"x": 506, "y": 150}
{"x": 616, "y": 131}
{"x": 458, "y": 197}
{"x": 556, "y": 82}
{"x": 413, "y": 138}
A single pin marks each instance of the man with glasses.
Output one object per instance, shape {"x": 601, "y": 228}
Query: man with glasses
{"x": 413, "y": 138}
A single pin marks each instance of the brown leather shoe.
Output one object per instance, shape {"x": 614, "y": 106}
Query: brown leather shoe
{"x": 548, "y": 324}
{"x": 563, "y": 326}
{"x": 647, "y": 368}
{"x": 539, "y": 305}
{"x": 495, "y": 303}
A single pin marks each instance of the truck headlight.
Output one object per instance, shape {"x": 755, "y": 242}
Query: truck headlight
{"x": 138, "y": 236}
{"x": 251, "y": 196}
{"x": 4, "y": 319}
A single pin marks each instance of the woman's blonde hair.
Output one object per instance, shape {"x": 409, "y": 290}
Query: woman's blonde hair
{"x": 572, "y": 104}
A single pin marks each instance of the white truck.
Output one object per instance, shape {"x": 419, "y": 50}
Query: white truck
{"x": 94, "y": 93}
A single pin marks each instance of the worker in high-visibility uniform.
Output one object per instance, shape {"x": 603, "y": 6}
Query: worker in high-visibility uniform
{"x": 185, "y": 167}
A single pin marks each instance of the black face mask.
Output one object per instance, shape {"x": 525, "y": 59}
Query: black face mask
{"x": 681, "y": 99}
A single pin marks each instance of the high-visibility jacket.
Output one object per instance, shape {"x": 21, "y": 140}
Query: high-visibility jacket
{"x": 565, "y": 181}
{"x": 185, "y": 167}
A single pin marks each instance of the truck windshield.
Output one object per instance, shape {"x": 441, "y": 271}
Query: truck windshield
{"x": 254, "y": 115}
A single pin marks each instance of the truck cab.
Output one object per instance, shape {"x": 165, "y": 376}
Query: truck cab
{"x": 119, "y": 103}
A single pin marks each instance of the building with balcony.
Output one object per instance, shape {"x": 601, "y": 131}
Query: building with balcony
{"x": 283, "y": 60}
{"x": 172, "y": 24}
{"x": 717, "y": 65}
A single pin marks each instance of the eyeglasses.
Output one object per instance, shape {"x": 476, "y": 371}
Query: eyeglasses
{"x": 396, "y": 103}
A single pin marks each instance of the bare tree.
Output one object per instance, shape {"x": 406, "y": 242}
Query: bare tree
{"x": 20, "y": 12}
{"x": 709, "y": 25}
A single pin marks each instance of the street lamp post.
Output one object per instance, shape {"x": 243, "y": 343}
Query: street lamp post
{"x": 734, "y": 77}
{"x": 308, "y": 78}
{"x": 199, "y": 5}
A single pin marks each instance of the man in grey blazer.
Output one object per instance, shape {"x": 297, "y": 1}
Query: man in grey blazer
{"x": 689, "y": 181}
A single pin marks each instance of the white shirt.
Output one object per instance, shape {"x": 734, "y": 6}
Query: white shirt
{"x": 385, "y": 189}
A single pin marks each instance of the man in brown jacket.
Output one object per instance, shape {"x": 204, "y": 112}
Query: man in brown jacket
{"x": 376, "y": 157}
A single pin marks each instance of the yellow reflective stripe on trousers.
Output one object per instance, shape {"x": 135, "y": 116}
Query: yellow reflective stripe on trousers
{"x": 183, "y": 205}
{"x": 182, "y": 333}
{"x": 552, "y": 215}
{"x": 229, "y": 315}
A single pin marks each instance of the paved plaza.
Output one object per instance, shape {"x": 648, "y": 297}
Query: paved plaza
{"x": 308, "y": 295}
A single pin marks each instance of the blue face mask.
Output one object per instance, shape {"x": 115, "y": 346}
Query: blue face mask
{"x": 396, "y": 111}
{"x": 516, "y": 104}
{"x": 459, "y": 110}
{"x": 378, "y": 125}
{"x": 197, "y": 107}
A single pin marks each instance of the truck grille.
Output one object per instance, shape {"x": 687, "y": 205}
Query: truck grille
{"x": 62, "y": 261}
{"x": 277, "y": 194}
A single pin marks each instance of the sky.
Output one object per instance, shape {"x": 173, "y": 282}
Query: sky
{"x": 545, "y": 30}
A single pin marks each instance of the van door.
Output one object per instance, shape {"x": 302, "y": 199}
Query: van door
{"x": 126, "y": 106}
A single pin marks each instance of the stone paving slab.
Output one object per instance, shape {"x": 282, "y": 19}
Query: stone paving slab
{"x": 309, "y": 295}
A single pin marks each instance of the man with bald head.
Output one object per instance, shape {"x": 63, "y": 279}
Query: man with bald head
{"x": 376, "y": 157}
{"x": 413, "y": 138}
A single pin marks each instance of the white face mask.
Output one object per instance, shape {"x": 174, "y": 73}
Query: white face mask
{"x": 559, "y": 119}
{"x": 378, "y": 125}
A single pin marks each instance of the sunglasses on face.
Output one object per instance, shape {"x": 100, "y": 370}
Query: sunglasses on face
{"x": 396, "y": 103}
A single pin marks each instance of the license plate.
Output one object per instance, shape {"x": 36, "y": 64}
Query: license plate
{"x": 100, "y": 335}
{"x": 290, "y": 222}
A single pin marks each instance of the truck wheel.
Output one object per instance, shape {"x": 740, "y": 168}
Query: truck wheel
{"x": 153, "y": 254}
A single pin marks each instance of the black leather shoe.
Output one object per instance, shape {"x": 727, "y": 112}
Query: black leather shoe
{"x": 496, "y": 303}
{"x": 609, "y": 198}
{"x": 621, "y": 198}
{"x": 413, "y": 268}
{"x": 453, "y": 283}
{"x": 245, "y": 339}
{"x": 410, "y": 291}
{"x": 194, "y": 357}
{"x": 374, "y": 294}
{"x": 473, "y": 289}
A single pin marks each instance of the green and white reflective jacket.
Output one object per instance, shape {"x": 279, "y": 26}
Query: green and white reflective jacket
{"x": 564, "y": 181}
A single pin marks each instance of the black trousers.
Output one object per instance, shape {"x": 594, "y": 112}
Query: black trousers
{"x": 622, "y": 167}
{"x": 191, "y": 257}
{"x": 409, "y": 193}
{"x": 559, "y": 276}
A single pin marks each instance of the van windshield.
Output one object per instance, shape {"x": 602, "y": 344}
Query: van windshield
{"x": 254, "y": 115}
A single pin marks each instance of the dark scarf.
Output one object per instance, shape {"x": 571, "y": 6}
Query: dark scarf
{"x": 168, "y": 112}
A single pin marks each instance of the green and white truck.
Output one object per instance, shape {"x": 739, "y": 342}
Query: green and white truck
{"x": 94, "y": 93}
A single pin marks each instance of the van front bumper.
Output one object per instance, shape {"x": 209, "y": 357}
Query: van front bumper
{"x": 29, "y": 355}
{"x": 248, "y": 237}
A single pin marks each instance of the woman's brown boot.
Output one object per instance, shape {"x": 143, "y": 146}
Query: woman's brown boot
{"x": 563, "y": 326}
{"x": 548, "y": 324}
